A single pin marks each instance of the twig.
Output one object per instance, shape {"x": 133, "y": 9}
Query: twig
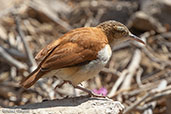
{"x": 32, "y": 62}
{"x": 162, "y": 85}
{"x": 155, "y": 59}
{"x": 112, "y": 71}
{"x": 159, "y": 89}
{"x": 35, "y": 5}
{"x": 117, "y": 84}
{"x": 132, "y": 69}
{"x": 15, "y": 53}
{"x": 164, "y": 92}
{"x": 146, "y": 106}
{"x": 150, "y": 108}
{"x": 138, "y": 77}
{"x": 128, "y": 73}
{"x": 121, "y": 46}
{"x": 11, "y": 60}
{"x": 149, "y": 53}
{"x": 137, "y": 103}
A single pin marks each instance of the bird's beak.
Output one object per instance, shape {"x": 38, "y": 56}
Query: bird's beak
{"x": 133, "y": 37}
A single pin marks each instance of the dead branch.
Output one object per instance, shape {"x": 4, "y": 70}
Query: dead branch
{"x": 29, "y": 54}
{"x": 132, "y": 69}
{"x": 9, "y": 59}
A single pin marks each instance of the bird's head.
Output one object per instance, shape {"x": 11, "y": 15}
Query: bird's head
{"x": 117, "y": 32}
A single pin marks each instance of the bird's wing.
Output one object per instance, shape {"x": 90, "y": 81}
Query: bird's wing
{"x": 67, "y": 55}
{"x": 81, "y": 35}
{"x": 77, "y": 47}
{"x": 46, "y": 50}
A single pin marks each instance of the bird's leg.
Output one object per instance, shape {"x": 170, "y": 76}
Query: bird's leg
{"x": 88, "y": 91}
{"x": 60, "y": 85}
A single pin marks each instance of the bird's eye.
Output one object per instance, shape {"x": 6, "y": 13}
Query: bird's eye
{"x": 119, "y": 29}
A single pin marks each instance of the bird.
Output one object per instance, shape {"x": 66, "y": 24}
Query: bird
{"x": 80, "y": 54}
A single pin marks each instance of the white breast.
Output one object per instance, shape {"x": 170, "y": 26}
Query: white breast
{"x": 105, "y": 54}
{"x": 102, "y": 59}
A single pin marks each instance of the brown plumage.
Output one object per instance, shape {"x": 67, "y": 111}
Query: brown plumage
{"x": 78, "y": 54}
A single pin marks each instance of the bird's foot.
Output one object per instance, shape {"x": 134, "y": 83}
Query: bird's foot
{"x": 90, "y": 93}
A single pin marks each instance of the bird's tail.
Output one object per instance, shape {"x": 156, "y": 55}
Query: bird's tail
{"x": 32, "y": 78}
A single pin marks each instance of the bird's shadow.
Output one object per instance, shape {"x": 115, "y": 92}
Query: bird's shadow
{"x": 66, "y": 102}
